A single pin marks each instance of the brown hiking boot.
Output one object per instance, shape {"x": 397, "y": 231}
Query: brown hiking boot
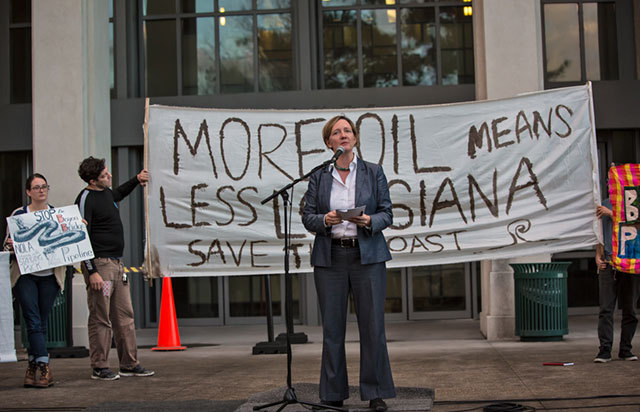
{"x": 46, "y": 378}
{"x": 30, "y": 376}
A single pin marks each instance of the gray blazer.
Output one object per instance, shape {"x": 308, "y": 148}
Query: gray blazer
{"x": 371, "y": 191}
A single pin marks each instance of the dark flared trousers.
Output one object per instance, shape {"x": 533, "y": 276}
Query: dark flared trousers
{"x": 368, "y": 286}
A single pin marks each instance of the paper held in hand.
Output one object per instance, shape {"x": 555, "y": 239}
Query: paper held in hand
{"x": 349, "y": 213}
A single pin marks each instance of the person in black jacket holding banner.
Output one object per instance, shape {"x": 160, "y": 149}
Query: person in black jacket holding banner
{"x": 108, "y": 295}
{"x": 614, "y": 285}
{"x": 350, "y": 255}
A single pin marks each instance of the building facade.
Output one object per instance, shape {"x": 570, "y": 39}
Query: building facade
{"x": 74, "y": 75}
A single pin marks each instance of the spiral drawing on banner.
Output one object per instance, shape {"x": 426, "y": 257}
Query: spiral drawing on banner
{"x": 516, "y": 229}
{"x": 48, "y": 239}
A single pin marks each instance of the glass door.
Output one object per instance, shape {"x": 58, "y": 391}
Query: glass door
{"x": 198, "y": 300}
{"x": 246, "y": 299}
{"x": 439, "y": 291}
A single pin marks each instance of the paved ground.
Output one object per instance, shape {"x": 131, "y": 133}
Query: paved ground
{"x": 217, "y": 371}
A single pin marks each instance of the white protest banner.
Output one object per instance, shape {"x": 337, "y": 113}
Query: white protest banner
{"x": 49, "y": 238}
{"x": 7, "y": 345}
{"x": 470, "y": 181}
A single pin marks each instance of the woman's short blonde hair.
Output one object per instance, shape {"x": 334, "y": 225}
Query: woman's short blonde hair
{"x": 326, "y": 129}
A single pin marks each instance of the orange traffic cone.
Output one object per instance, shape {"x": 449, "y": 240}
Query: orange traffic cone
{"x": 168, "y": 335}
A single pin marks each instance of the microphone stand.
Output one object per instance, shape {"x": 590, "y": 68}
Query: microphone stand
{"x": 290, "y": 397}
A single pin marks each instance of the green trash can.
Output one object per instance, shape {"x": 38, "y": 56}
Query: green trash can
{"x": 541, "y": 301}
{"x": 56, "y": 325}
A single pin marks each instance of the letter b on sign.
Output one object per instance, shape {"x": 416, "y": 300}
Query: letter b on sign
{"x": 630, "y": 204}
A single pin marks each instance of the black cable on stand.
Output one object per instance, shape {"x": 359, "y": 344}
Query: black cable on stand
{"x": 289, "y": 397}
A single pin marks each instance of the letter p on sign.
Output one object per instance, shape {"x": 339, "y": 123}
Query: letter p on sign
{"x": 628, "y": 233}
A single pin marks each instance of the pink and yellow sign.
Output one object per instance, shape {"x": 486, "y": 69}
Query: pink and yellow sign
{"x": 624, "y": 190}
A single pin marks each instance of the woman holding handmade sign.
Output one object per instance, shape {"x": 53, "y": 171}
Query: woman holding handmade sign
{"x": 349, "y": 254}
{"x": 36, "y": 291}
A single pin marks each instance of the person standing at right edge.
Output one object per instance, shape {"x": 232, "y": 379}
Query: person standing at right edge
{"x": 614, "y": 285}
{"x": 108, "y": 294}
{"x": 349, "y": 256}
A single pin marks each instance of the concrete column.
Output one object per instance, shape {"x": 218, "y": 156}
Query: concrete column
{"x": 508, "y": 62}
{"x": 508, "y": 47}
{"x": 71, "y": 106}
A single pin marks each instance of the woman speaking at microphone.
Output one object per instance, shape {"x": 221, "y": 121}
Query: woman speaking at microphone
{"x": 350, "y": 255}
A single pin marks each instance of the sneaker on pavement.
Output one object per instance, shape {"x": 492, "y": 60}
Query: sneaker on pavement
{"x": 137, "y": 371}
{"x": 628, "y": 356}
{"x": 602, "y": 357}
{"x": 104, "y": 374}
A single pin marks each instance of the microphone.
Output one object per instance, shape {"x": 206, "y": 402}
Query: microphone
{"x": 337, "y": 154}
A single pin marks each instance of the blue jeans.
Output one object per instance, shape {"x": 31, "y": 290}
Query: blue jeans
{"x": 36, "y": 295}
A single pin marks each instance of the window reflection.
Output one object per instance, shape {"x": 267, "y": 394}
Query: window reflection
{"x": 198, "y": 56}
{"x": 436, "y": 44}
{"x": 236, "y": 55}
{"x": 112, "y": 75}
{"x": 456, "y": 46}
{"x": 337, "y": 3}
{"x": 562, "y": 42}
{"x": 234, "y": 5}
{"x": 393, "y": 301}
{"x": 20, "y": 11}
{"x": 418, "y": 28}
{"x": 161, "y": 57}
{"x": 20, "y": 60}
{"x": 564, "y": 59}
{"x": 379, "y": 58}
{"x": 19, "y": 20}
{"x": 247, "y": 296}
{"x": 112, "y": 66}
{"x": 196, "y": 297}
{"x": 439, "y": 288}
{"x": 600, "y": 41}
{"x": 272, "y": 4}
{"x": 591, "y": 55}
{"x": 340, "y": 42}
{"x": 197, "y": 6}
{"x": 274, "y": 52}
{"x": 218, "y": 50}
{"x": 151, "y": 7}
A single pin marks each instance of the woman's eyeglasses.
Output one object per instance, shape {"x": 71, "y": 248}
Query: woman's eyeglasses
{"x": 39, "y": 188}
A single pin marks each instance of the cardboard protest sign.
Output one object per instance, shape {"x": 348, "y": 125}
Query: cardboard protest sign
{"x": 49, "y": 238}
{"x": 624, "y": 188}
{"x": 469, "y": 181}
